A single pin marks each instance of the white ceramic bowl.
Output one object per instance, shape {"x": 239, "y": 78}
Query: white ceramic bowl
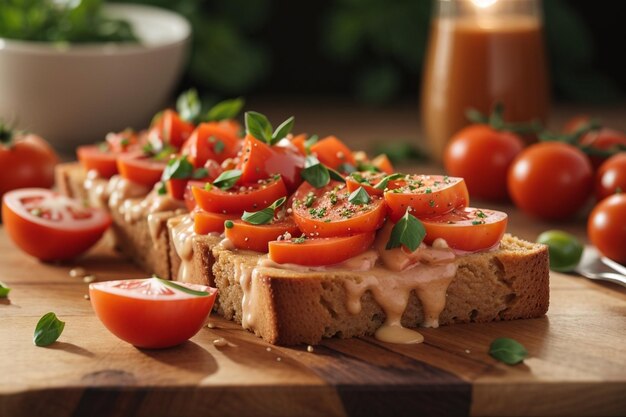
{"x": 77, "y": 93}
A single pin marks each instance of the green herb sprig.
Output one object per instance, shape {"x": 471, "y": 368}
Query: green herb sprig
{"x": 263, "y": 216}
{"x": 48, "y": 330}
{"x": 359, "y": 197}
{"x": 318, "y": 174}
{"x": 227, "y": 179}
{"x": 181, "y": 288}
{"x": 408, "y": 232}
{"x": 508, "y": 350}
{"x": 260, "y": 127}
{"x": 496, "y": 121}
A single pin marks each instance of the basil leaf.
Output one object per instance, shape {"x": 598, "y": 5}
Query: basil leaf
{"x": 200, "y": 173}
{"x": 258, "y": 126}
{"x": 188, "y": 105}
{"x": 48, "y": 330}
{"x": 182, "y": 288}
{"x": 227, "y": 109}
{"x": 507, "y": 350}
{"x": 334, "y": 175}
{"x": 161, "y": 190}
{"x": 4, "y": 290}
{"x": 227, "y": 179}
{"x": 312, "y": 140}
{"x": 347, "y": 168}
{"x": 359, "y": 197}
{"x": 314, "y": 172}
{"x": 383, "y": 183}
{"x": 408, "y": 232}
{"x": 366, "y": 166}
{"x": 263, "y": 216}
{"x": 177, "y": 168}
{"x": 283, "y": 130}
{"x": 219, "y": 146}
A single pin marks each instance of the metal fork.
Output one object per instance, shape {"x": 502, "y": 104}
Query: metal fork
{"x": 595, "y": 267}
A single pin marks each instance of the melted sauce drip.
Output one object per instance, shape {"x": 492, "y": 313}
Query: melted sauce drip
{"x": 182, "y": 237}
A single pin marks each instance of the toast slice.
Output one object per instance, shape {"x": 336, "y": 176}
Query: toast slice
{"x": 293, "y": 307}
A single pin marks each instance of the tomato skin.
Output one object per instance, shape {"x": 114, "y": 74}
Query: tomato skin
{"x": 450, "y": 193}
{"x": 550, "y": 180}
{"x": 205, "y": 222}
{"x": 604, "y": 139}
{"x": 332, "y": 152}
{"x": 333, "y": 223}
{"x": 320, "y": 251}
{"x": 174, "y": 130}
{"x": 244, "y": 235}
{"x": 482, "y": 156}
{"x": 91, "y": 157}
{"x": 49, "y": 243}
{"x": 299, "y": 142}
{"x": 383, "y": 163}
{"x": 611, "y": 176}
{"x": 28, "y": 161}
{"x": 606, "y": 227}
{"x": 260, "y": 161}
{"x": 201, "y": 145}
{"x": 140, "y": 169}
{"x": 216, "y": 200}
{"x": 464, "y": 234}
{"x": 151, "y": 323}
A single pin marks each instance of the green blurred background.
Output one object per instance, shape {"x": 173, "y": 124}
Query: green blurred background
{"x": 372, "y": 50}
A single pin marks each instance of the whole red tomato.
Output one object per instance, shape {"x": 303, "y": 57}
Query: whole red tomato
{"x": 600, "y": 144}
{"x": 611, "y": 176}
{"x": 550, "y": 180}
{"x": 482, "y": 156}
{"x": 26, "y": 160}
{"x": 606, "y": 227}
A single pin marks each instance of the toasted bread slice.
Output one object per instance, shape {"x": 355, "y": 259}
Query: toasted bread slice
{"x": 294, "y": 307}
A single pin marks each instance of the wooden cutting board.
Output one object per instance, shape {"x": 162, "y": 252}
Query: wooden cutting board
{"x": 577, "y": 363}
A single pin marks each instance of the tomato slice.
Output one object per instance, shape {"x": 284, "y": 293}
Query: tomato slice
{"x": 260, "y": 161}
{"x": 368, "y": 180}
{"x": 175, "y": 130}
{"x": 383, "y": 163}
{"x": 299, "y": 142}
{"x": 250, "y": 197}
{"x": 141, "y": 169}
{"x": 469, "y": 229}
{"x": 326, "y": 212}
{"x": 244, "y": 235}
{"x": 205, "y": 222}
{"x": 94, "y": 157}
{"x": 332, "y": 152}
{"x": 149, "y": 313}
{"x": 211, "y": 141}
{"x": 50, "y": 226}
{"x": 320, "y": 251}
{"x": 427, "y": 195}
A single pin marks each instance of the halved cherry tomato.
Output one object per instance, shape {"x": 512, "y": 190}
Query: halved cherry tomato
{"x": 211, "y": 141}
{"x": 260, "y": 161}
{"x": 141, "y": 169}
{"x": 299, "y": 142}
{"x": 205, "y": 222}
{"x": 368, "y": 180}
{"x": 467, "y": 229}
{"x": 427, "y": 195}
{"x": 251, "y": 197}
{"x": 174, "y": 130}
{"x": 93, "y": 157}
{"x": 248, "y": 236}
{"x": 176, "y": 188}
{"x": 383, "y": 163}
{"x": 327, "y": 211}
{"x": 332, "y": 152}
{"x": 149, "y": 313}
{"x": 320, "y": 251}
{"x": 50, "y": 226}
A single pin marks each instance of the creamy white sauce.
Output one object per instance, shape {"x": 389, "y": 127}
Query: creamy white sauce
{"x": 182, "y": 238}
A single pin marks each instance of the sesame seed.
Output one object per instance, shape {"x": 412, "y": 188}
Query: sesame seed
{"x": 310, "y": 349}
{"x": 89, "y": 278}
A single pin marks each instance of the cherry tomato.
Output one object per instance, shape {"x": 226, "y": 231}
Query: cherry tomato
{"x": 244, "y": 235}
{"x": 327, "y": 211}
{"x": 426, "y": 195}
{"x": 611, "y": 176}
{"x": 603, "y": 143}
{"x": 575, "y": 123}
{"x": 260, "y": 161}
{"x": 606, "y": 227}
{"x": 152, "y": 313}
{"x": 211, "y": 141}
{"x": 50, "y": 226}
{"x": 332, "y": 152}
{"x": 174, "y": 130}
{"x": 383, "y": 163}
{"x": 26, "y": 161}
{"x": 242, "y": 198}
{"x": 467, "y": 228}
{"x": 550, "y": 180}
{"x": 137, "y": 167}
{"x": 97, "y": 158}
{"x": 320, "y": 251}
{"x": 482, "y": 155}
{"x": 205, "y": 222}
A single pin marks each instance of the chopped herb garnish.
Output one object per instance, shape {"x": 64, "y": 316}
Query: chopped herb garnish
{"x": 258, "y": 126}
{"x": 181, "y": 288}
{"x": 308, "y": 201}
{"x": 219, "y": 146}
{"x": 408, "y": 232}
{"x": 4, "y": 290}
{"x": 508, "y": 350}
{"x": 48, "y": 330}
{"x": 477, "y": 222}
{"x": 208, "y": 186}
{"x": 161, "y": 190}
{"x": 333, "y": 197}
{"x": 383, "y": 183}
{"x": 366, "y": 166}
{"x": 431, "y": 203}
{"x": 428, "y": 191}
{"x": 315, "y": 173}
{"x": 188, "y": 105}
{"x": 299, "y": 240}
{"x": 227, "y": 179}
{"x": 359, "y": 197}
{"x": 481, "y": 214}
{"x": 177, "y": 168}
{"x": 229, "y": 224}
{"x": 263, "y": 216}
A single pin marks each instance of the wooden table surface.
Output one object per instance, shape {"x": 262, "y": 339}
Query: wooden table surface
{"x": 577, "y": 363}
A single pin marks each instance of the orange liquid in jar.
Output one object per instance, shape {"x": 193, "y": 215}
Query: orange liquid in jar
{"x": 474, "y": 62}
